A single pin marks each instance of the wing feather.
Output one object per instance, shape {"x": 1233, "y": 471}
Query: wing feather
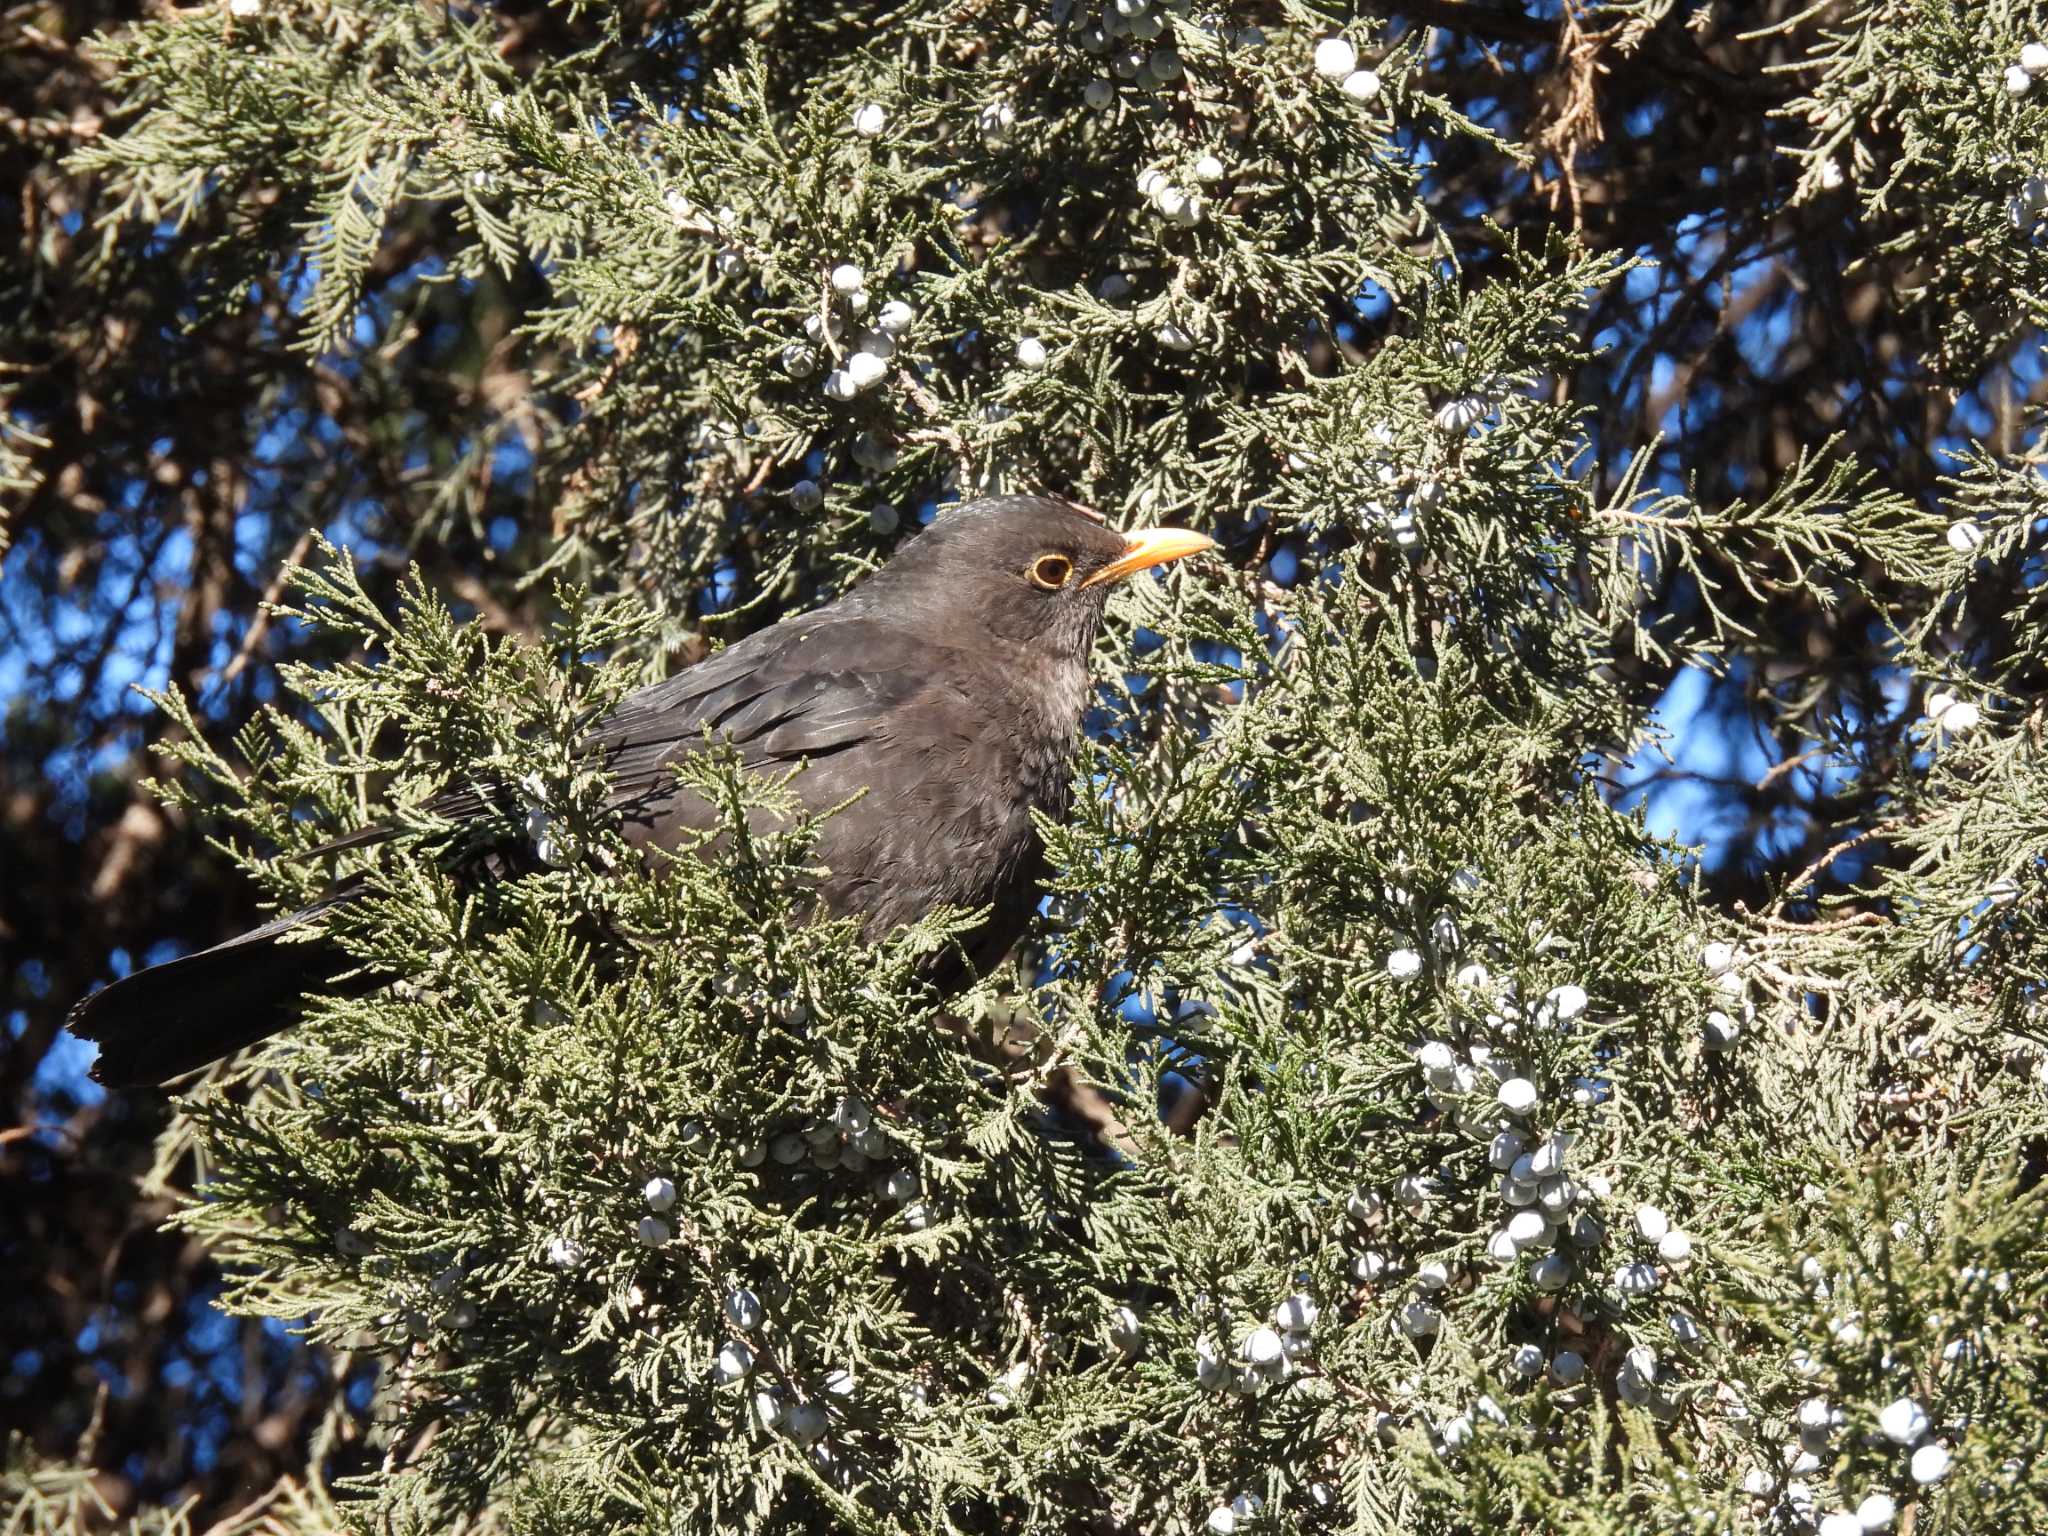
{"x": 804, "y": 689}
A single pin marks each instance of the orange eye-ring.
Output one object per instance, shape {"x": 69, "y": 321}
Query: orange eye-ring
{"x": 1051, "y": 572}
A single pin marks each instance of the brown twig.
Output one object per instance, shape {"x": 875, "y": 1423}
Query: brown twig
{"x": 259, "y": 626}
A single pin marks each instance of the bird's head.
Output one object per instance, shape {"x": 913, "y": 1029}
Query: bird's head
{"x": 1024, "y": 569}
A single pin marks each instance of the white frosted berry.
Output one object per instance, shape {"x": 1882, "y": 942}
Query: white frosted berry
{"x": 1432, "y": 1275}
{"x": 1263, "y": 1347}
{"x": 1461, "y": 415}
{"x": 1500, "y": 1247}
{"x": 1208, "y": 168}
{"x": 1361, "y": 85}
{"x": 1651, "y": 1223}
{"x": 1952, "y": 714}
{"x": 805, "y": 1423}
{"x": 1403, "y": 963}
{"x": 2017, "y": 80}
{"x": 1965, "y": 536}
{"x": 1126, "y": 1333}
{"x": 1636, "y": 1279}
{"x": 1720, "y": 1031}
{"x": 1903, "y": 1422}
{"x": 1335, "y": 58}
{"x": 847, "y": 278}
{"x": 1296, "y": 1313}
{"x": 1175, "y": 338}
{"x": 1563, "y": 1004}
{"x": 1527, "y": 1360}
{"x": 865, "y": 369}
{"x": 1840, "y": 1523}
{"x": 734, "y": 1361}
{"x": 870, "y": 452}
{"x": 1517, "y": 1095}
{"x": 247, "y": 8}
{"x": 1876, "y": 1512}
{"x": 2034, "y": 58}
{"x": 1369, "y": 1266}
{"x": 565, "y": 1252}
{"x": 743, "y": 1309}
{"x": 1548, "y": 1159}
{"x": 869, "y": 120}
{"x": 1675, "y": 1246}
{"x": 1031, "y": 352}
{"x": 1222, "y": 1520}
{"x": 900, "y": 1185}
{"x": 895, "y": 317}
{"x": 1930, "y": 1464}
{"x": 839, "y": 385}
{"x": 1716, "y": 957}
{"x": 996, "y": 120}
{"x": 1420, "y": 1320}
{"x": 1552, "y": 1272}
{"x": 1527, "y": 1229}
{"x": 660, "y": 1193}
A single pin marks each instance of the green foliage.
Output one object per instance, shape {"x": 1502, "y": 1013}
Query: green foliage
{"x": 1342, "y": 864}
{"x": 1911, "y": 112}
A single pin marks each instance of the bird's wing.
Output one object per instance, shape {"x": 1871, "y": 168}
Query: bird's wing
{"x": 801, "y": 689}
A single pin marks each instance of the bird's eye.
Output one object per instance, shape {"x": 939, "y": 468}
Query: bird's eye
{"x": 1051, "y": 572}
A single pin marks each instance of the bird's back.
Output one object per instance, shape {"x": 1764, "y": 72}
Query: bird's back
{"x": 946, "y": 752}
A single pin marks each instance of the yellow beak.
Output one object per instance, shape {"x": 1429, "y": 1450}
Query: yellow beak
{"x": 1149, "y": 547}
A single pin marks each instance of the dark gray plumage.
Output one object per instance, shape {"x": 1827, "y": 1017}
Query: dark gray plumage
{"x": 948, "y": 686}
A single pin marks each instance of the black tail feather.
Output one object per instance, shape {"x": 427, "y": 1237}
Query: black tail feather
{"x": 174, "y": 1018}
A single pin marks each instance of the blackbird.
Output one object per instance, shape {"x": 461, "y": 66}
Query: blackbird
{"x": 946, "y": 690}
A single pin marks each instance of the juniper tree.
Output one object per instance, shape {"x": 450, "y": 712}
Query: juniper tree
{"x": 1470, "y": 1164}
